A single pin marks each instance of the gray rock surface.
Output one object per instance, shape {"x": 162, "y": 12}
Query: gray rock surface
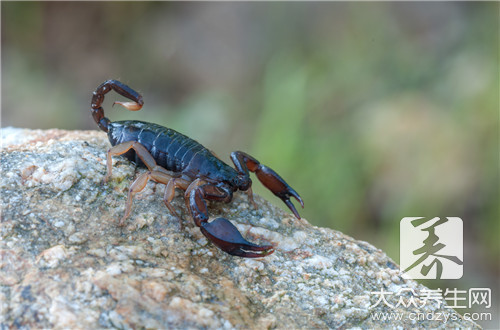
{"x": 66, "y": 264}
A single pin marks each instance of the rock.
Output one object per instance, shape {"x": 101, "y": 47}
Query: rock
{"x": 66, "y": 264}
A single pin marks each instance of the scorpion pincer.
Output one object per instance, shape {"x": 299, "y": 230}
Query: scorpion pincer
{"x": 180, "y": 162}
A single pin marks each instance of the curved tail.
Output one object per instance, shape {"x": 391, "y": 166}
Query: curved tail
{"x": 120, "y": 88}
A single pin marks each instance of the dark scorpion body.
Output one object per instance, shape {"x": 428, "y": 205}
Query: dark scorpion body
{"x": 180, "y": 162}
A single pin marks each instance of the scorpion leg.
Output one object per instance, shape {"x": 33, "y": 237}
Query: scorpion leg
{"x": 220, "y": 231}
{"x": 270, "y": 179}
{"x": 141, "y": 152}
{"x": 170, "y": 193}
{"x": 137, "y": 186}
{"x": 158, "y": 176}
{"x": 156, "y": 173}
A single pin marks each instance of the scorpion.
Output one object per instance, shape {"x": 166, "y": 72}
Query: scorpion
{"x": 178, "y": 161}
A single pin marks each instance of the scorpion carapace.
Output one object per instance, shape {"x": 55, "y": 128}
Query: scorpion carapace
{"x": 180, "y": 162}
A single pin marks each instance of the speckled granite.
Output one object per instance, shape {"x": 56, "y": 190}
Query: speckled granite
{"x": 66, "y": 264}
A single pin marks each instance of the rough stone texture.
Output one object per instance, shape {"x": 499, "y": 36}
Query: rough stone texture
{"x": 66, "y": 264}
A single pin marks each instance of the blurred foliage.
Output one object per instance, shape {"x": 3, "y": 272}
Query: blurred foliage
{"x": 371, "y": 111}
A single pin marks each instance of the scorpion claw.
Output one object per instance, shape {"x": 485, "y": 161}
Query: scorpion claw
{"x": 224, "y": 235}
{"x": 286, "y": 198}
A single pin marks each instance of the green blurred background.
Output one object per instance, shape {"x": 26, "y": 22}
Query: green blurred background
{"x": 371, "y": 111}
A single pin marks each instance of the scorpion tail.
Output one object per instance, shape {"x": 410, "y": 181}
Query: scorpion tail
{"x": 120, "y": 88}
{"x": 99, "y": 118}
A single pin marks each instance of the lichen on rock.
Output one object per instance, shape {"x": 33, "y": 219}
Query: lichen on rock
{"x": 66, "y": 264}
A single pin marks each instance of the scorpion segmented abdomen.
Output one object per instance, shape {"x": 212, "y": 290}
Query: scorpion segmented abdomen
{"x": 176, "y": 150}
{"x": 164, "y": 147}
{"x": 170, "y": 149}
